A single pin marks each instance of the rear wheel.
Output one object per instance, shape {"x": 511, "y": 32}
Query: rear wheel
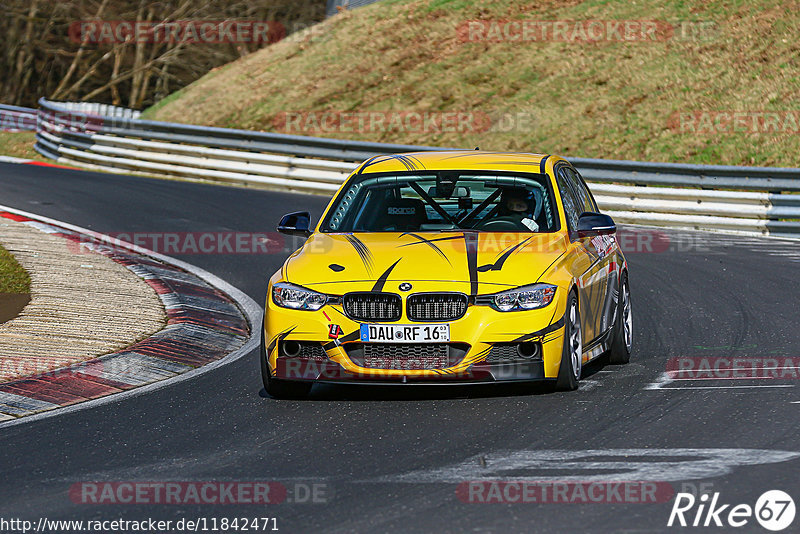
{"x": 622, "y": 340}
{"x": 280, "y": 389}
{"x": 569, "y": 372}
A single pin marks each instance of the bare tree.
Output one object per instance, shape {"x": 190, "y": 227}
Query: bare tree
{"x": 42, "y": 54}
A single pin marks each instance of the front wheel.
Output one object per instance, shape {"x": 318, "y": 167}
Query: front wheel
{"x": 622, "y": 342}
{"x": 569, "y": 372}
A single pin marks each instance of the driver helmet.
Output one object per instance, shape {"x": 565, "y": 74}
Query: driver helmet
{"x": 517, "y": 201}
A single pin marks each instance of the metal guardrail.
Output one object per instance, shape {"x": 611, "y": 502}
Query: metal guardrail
{"x": 333, "y": 6}
{"x": 16, "y": 119}
{"x": 775, "y": 179}
{"x": 745, "y": 199}
{"x": 93, "y": 109}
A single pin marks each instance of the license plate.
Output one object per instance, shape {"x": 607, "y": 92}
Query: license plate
{"x": 398, "y": 333}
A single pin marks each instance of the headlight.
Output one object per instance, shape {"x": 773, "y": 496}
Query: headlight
{"x": 524, "y": 298}
{"x": 297, "y": 298}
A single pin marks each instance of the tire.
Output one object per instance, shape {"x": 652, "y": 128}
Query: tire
{"x": 569, "y": 372}
{"x": 276, "y": 388}
{"x": 622, "y": 341}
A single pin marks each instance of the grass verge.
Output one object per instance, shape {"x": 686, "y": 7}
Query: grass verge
{"x": 13, "y": 278}
{"x": 19, "y": 145}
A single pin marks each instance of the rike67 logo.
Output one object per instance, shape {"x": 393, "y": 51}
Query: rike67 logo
{"x": 774, "y": 510}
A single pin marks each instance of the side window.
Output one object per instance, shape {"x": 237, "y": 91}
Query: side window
{"x": 586, "y": 202}
{"x": 572, "y": 207}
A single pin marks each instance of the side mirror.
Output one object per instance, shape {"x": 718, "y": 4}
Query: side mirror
{"x": 592, "y": 224}
{"x": 296, "y": 223}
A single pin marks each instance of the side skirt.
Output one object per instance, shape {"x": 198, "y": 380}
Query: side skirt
{"x": 598, "y": 346}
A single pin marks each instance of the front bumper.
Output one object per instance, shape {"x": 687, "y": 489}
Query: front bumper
{"x": 307, "y": 370}
{"x": 479, "y": 332}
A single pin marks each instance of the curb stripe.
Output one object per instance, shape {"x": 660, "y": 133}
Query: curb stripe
{"x": 13, "y": 217}
{"x": 204, "y": 326}
{"x": 22, "y": 161}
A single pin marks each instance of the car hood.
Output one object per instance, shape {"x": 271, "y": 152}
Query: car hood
{"x": 473, "y": 262}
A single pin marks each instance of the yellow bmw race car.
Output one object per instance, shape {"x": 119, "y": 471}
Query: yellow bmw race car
{"x": 449, "y": 267}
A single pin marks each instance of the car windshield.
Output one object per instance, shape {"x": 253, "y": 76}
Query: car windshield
{"x": 442, "y": 201}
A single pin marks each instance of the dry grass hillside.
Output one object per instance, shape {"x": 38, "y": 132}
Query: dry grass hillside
{"x": 604, "y": 98}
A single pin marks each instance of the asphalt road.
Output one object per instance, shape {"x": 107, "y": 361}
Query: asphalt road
{"x": 390, "y": 460}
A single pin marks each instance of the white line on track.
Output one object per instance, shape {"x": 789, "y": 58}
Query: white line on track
{"x": 735, "y": 369}
{"x": 728, "y": 387}
{"x": 588, "y": 385}
{"x": 595, "y": 465}
{"x": 249, "y": 307}
{"x": 731, "y": 378}
{"x": 665, "y": 379}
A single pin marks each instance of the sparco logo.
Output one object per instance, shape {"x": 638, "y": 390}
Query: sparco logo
{"x": 774, "y": 510}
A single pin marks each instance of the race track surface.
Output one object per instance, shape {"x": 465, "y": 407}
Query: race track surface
{"x": 391, "y": 459}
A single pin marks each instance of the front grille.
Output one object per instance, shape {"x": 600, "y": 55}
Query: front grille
{"x": 406, "y": 356}
{"x": 436, "y": 306}
{"x": 401, "y": 356}
{"x": 372, "y": 306}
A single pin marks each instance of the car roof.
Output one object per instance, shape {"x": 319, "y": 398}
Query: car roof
{"x": 459, "y": 160}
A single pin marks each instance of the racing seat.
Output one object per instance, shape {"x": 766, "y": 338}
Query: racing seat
{"x": 402, "y": 215}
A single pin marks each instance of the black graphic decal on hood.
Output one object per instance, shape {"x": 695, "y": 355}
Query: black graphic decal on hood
{"x": 498, "y": 264}
{"x": 430, "y": 243}
{"x": 382, "y": 280}
{"x": 471, "y": 242}
{"x": 363, "y": 251}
